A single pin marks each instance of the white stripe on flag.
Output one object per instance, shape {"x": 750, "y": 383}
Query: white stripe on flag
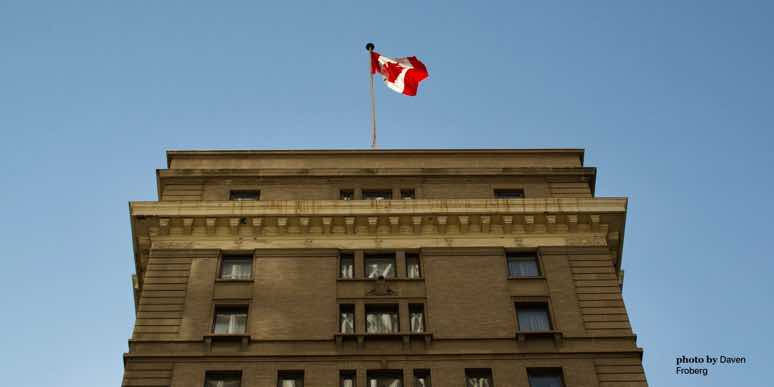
{"x": 398, "y": 85}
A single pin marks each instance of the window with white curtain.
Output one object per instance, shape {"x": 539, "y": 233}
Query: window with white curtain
{"x": 478, "y": 377}
{"x": 347, "y": 266}
{"x": 223, "y": 379}
{"x": 347, "y": 318}
{"x": 348, "y": 378}
{"x": 417, "y": 318}
{"x": 533, "y": 317}
{"x": 380, "y": 265}
{"x": 422, "y": 378}
{"x": 382, "y": 319}
{"x": 385, "y": 378}
{"x": 412, "y": 266}
{"x": 230, "y": 320}
{"x": 523, "y": 265}
{"x": 290, "y": 379}
{"x": 236, "y": 268}
{"x": 545, "y": 377}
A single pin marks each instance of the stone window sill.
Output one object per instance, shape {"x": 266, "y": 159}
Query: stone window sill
{"x": 404, "y": 336}
{"x": 242, "y": 338}
{"x": 233, "y": 281}
{"x": 394, "y": 279}
{"x": 523, "y": 336}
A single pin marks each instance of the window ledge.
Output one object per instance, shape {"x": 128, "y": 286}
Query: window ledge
{"x": 405, "y": 336}
{"x": 522, "y": 336}
{"x": 526, "y": 278}
{"x": 242, "y": 338}
{"x": 234, "y": 281}
{"x": 394, "y": 279}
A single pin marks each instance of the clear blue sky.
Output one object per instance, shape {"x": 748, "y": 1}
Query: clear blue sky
{"x": 671, "y": 99}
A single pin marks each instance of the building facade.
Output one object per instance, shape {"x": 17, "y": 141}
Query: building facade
{"x": 380, "y": 268}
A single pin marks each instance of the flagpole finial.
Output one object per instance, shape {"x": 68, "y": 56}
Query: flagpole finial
{"x": 370, "y": 46}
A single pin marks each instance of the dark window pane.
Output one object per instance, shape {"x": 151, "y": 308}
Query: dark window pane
{"x": 417, "y": 318}
{"x": 380, "y": 265}
{"x": 412, "y": 266}
{"x": 533, "y": 317}
{"x": 382, "y": 319}
{"x": 385, "y": 379}
{"x": 236, "y": 268}
{"x": 479, "y": 377}
{"x": 545, "y": 378}
{"x": 347, "y": 194}
{"x": 523, "y": 266}
{"x": 377, "y": 194}
{"x": 230, "y": 320}
{"x": 223, "y": 379}
{"x": 422, "y": 378}
{"x": 348, "y": 379}
{"x": 290, "y": 379}
{"x": 407, "y": 194}
{"x": 245, "y": 195}
{"x": 347, "y": 318}
{"x": 347, "y": 269}
{"x": 508, "y": 193}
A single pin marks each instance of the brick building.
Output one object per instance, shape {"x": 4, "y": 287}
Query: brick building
{"x": 380, "y": 268}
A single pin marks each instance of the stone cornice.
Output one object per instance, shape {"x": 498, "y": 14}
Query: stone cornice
{"x": 336, "y": 172}
{"x": 463, "y": 251}
{"x": 314, "y": 224}
{"x": 276, "y": 208}
{"x": 296, "y": 252}
{"x": 242, "y": 154}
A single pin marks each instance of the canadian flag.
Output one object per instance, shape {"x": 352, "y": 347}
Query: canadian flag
{"x": 402, "y": 75}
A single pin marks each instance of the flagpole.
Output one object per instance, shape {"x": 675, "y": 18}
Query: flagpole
{"x": 370, "y": 48}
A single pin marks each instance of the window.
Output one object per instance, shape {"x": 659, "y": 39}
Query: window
{"x": 385, "y": 378}
{"x": 346, "y": 318}
{"x": 290, "y": 379}
{"x": 478, "y": 377}
{"x": 421, "y": 378}
{"x": 347, "y": 378}
{"x": 231, "y": 320}
{"x": 533, "y": 317}
{"x": 382, "y": 318}
{"x": 240, "y": 195}
{"x": 236, "y": 268}
{"x": 346, "y": 266}
{"x": 377, "y": 194}
{"x": 511, "y": 193}
{"x": 523, "y": 265}
{"x": 380, "y": 265}
{"x": 545, "y": 377}
{"x": 412, "y": 266}
{"x": 408, "y": 194}
{"x": 223, "y": 379}
{"x": 417, "y": 318}
{"x": 346, "y": 194}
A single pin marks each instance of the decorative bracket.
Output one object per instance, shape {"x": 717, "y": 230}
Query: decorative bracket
{"x": 441, "y": 223}
{"x": 507, "y": 224}
{"x": 210, "y": 225}
{"x": 486, "y": 221}
{"x": 188, "y": 225}
{"x": 464, "y": 223}
{"x": 416, "y": 221}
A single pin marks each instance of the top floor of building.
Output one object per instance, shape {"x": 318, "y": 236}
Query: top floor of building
{"x": 374, "y": 174}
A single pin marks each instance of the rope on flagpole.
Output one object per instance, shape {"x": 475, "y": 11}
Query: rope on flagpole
{"x": 370, "y": 47}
